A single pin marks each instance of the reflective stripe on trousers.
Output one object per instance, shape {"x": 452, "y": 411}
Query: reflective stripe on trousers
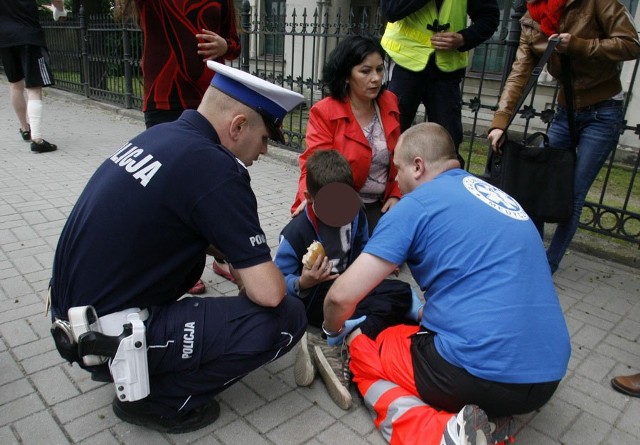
{"x": 400, "y": 415}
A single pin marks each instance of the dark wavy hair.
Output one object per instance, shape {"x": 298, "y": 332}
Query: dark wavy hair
{"x": 350, "y": 52}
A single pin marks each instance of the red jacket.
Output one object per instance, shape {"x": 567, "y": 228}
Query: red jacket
{"x": 333, "y": 125}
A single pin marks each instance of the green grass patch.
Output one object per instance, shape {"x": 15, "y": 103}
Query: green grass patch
{"x": 115, "y": 84}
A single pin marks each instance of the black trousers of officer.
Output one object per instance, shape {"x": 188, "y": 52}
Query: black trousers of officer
{"x": 197, "y": 347}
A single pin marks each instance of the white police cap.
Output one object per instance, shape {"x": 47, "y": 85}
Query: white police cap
{"x": 271, "y": 101}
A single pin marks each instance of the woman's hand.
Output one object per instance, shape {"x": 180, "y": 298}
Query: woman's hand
{"x": 563, "y": 44}
{"x": 211, "y": 46}
{"x": 496, "y": 138}
{"x": 321, "y": 271}
{"x": 300, "y": 208}
{"x": 389, "y": 203}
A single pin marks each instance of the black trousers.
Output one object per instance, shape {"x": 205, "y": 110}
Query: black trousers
{"x": 441, "y": 98}
{"x": 444, "y": 386}
{"x": 374, "y": 213}
{"x": 155, "y": 117}
{"x": 198, "y": 347}
{"x": 386, "y": 305}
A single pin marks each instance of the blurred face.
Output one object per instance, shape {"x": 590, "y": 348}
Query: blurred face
{"x": 366, "y": 78}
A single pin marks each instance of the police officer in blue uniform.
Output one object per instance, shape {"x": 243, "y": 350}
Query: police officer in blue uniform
{"x": 136, "y": 241}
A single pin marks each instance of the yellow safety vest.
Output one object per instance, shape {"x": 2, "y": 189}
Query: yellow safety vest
{"x": 408, "y": 41}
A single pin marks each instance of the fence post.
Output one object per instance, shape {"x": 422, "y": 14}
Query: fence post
{"x": 513, "y": 38}
{"x": 84, "y": 62}
{"x": 245, "y": 25}
{"x": 128, "y": 72}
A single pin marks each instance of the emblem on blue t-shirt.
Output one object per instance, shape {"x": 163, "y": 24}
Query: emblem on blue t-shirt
{"x": 495, "y": 198}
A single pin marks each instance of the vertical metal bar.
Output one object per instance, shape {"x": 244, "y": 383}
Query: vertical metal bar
{"x": 128, "y": 74}
{"x": 84, "y": 36}
{"x": 245, "y": 25}
{"x": 513, "y": 38}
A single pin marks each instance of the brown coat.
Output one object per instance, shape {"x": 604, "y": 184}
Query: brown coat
{"x": 602, "y": 36}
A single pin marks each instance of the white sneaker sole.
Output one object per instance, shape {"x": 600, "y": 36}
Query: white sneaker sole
{"x": 303, "y": 370}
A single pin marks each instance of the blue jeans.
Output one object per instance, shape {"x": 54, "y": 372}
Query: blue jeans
{"x": 598, "y": 129}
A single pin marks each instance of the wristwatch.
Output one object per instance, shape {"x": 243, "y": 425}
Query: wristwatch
{"x": 331, "y": 334}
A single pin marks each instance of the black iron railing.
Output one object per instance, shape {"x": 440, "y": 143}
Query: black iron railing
{"x": 98, "y": 58}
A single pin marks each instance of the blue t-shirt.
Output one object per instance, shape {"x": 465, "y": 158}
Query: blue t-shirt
{"x": 137, "y": 235}
{"x": 480, "y": 262}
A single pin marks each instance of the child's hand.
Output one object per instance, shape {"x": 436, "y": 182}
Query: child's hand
{"x": 321, "y": 271}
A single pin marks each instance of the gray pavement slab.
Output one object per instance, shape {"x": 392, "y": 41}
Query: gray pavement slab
{"x": 45, "y": 401}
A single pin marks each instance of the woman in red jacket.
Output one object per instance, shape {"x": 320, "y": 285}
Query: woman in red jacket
{"x": 359, "y": 119}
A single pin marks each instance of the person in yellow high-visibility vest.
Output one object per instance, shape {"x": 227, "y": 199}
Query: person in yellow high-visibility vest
{"x": 428, "y": 40}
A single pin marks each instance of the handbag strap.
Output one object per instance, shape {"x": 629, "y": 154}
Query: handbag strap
{"x": 566, "y": 82}
{"x": 565, "y": 63}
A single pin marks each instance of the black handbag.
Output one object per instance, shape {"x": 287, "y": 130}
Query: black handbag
{"x": 536, "y": 175}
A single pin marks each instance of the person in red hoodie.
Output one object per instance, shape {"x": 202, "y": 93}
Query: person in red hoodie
{"x": 179, "y": 37}
{"x": 361, "y": 120}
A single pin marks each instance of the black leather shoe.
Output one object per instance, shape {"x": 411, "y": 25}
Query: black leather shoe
{"x": 141, "y": 413}
{"x": 26, "y": 135}
{"x": 43, "y": 147}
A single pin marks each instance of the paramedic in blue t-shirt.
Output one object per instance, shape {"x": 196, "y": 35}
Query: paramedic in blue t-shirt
{"x": 492, "y": 341}
{"x": 137, "y": 238}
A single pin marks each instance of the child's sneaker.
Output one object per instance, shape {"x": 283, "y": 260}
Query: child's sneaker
{"x": 469, "y": 427}
{"x": 329, "y": 361}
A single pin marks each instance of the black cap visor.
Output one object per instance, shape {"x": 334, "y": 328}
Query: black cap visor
{"x": 273, "y": 124}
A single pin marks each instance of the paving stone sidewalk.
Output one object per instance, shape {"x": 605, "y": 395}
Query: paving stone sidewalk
{"x": 45, "y": 401}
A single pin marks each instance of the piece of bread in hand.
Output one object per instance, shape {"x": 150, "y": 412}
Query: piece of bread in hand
{"x": 314, "y": 251}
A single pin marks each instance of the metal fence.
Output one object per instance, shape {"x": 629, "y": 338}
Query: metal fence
{"x": 100, "y": 59}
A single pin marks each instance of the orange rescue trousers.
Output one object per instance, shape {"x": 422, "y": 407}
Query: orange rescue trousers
{"x": 383, "y": 371}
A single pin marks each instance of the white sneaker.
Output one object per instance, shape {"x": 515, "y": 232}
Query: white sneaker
{"x": 469, "y": 427}
{"x": 303, "y": 369}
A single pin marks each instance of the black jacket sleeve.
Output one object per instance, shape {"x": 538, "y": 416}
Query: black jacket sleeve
{"x": 394, "y": 10}
{"x": 485, "y": 17}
